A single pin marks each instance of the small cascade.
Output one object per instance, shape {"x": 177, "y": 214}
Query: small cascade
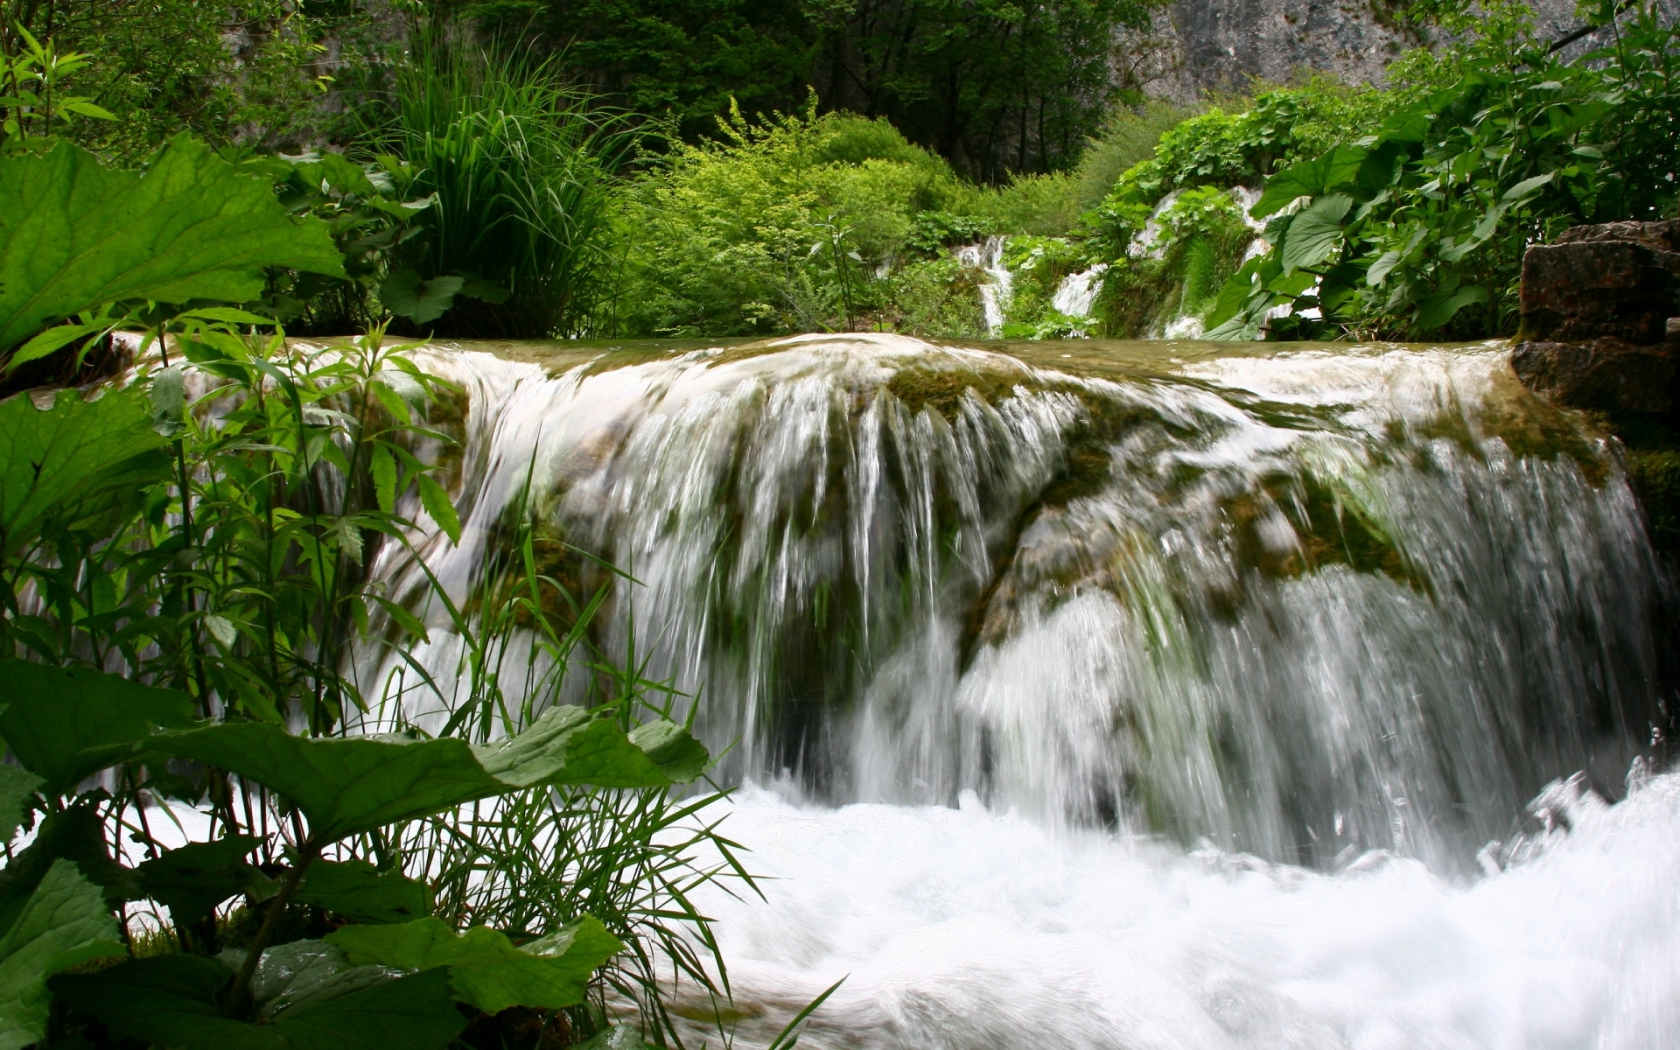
{"x": 1078, "y": 292}
{"x": 999, "y": 283}
{"x": 1302, "y": 606}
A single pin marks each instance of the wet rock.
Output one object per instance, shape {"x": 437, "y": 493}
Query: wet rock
{"x": 1601, "y": 318}
{"x": 1613, "y": 280}
{"x": 1605, "y": 374}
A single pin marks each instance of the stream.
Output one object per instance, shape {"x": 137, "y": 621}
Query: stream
{"x": 1096, "y": 694}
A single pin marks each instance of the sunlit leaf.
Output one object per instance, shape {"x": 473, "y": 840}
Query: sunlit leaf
{"x": 75, "y": 234}
{"x": 485, "y": 969}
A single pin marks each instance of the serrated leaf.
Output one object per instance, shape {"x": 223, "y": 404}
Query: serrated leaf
{"x": 440, "y": 507}
{"x": 65, "y": 923}
{"x": 192, "y": 880}
{"x": 17, "y": 787}
{"x": 1315, "y": 233}
{"x": 65, "y": 724}
{"x": 77, "y": 835}
{"x": 485, "y": 969}
{"x": 75, "y": 234}
{"x": 69, "y": 461}
{"x": 358, "y": 891}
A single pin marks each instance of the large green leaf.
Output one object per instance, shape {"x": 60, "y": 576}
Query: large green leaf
{"x": 65, "y": 923}
{"x": 485, "y": 969}
{"x": 1315, "y": 233}
{"x": 193, "y": 879}
{"x": 1309, "y": 178}
{"x": 171, "y": 1001}
{"x": 66, "y": 724}
{"x": 167, "y": 1001}
{"x": 75, "y": 234}
{"x": 302, "y": 974}
{"x": 75, "y": 834}
{"x": 73, "y": 458}
{"x": 569, "y": 745}
{"x": 346, "y": 785}
{"x": 413, "y": 1013}
{"x": 358, "y": 891}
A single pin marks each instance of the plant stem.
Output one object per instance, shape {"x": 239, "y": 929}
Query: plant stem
{"x": 238, "y": 998}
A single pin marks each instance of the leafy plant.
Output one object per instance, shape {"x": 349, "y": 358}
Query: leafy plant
{"x": 518, "y": 163}
{"x": 84, "y": 241}
{"x": 1420, "y": 228}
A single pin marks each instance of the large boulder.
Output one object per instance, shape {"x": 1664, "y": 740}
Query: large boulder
{"x": 1617, "y": 280}
{"x": 1599, "y": 318}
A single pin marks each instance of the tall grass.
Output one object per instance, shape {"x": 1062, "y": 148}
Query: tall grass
{"x": 250, "y": 572}
{"x": 522, "y": 163}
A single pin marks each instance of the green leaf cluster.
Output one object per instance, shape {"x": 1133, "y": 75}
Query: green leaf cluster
{"x": 1419, "y": 229}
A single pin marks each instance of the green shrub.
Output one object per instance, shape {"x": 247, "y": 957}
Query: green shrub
{"x": 1201, "y": 240}
{"x": 781, "y": 225}
{"x": 520, "y": 164}
{"x": 1129, "y": 136}
{"x": 1420, "y": 229}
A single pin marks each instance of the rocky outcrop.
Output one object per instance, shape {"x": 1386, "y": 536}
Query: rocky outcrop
{"x": 1599, "y": 326}
{"x": 1601, "y": 332}
{"x": 1222, "y": 45}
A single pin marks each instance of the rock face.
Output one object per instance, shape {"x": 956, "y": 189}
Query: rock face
{"x": 1220, "y": 45}
{"x": 1599, "y": 325}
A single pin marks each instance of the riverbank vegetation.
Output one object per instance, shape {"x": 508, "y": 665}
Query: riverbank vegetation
{"x": 192, "y": 505}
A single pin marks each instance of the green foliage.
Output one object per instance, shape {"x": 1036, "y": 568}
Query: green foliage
{"x": 485, "y": 969}
{"x": 1128, "y": 136}
{"x": 33, "y": 98}
{"x": 174, "y": 1001}
{"x": 250, "y": 75}
{"x": 72, "y": 461}
{"x": 360, "y": 892}
{"x": 782, "y": 225}
{"x": 518, "y": 163}
{"x": 1199, "y": 239}
{"x": 77, "y": 237}
{"x": 63, "y": 924}
{"x": 65, "y": 724}
{"x": 993, "y": 86}
{"x": 1419, "y": 230}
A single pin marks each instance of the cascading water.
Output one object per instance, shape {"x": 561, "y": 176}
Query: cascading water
{"x": 1294, "y": 612}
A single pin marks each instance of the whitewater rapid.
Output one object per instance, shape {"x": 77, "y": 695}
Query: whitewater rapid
{"x": 960, "y": 929}
{"x": 1119, "y": 695}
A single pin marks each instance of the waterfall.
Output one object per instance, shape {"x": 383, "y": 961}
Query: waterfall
{"x": 1303, "y": 606}
{"x": 1333, "y": 610}
{"x": 996, "y": 289}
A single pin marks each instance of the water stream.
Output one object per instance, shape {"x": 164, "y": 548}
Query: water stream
{"x": 1131, "y": 695}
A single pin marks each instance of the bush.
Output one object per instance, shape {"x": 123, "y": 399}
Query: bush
{"x": 1420, "y": 229}
{"x": 781, "y": 225}
{"x": 520, "y": 164}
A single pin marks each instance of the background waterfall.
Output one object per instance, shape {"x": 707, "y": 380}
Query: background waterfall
{"x": 1300, "y": 605}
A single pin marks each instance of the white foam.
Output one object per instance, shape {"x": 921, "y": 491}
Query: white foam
{"x": 963, "y": 928}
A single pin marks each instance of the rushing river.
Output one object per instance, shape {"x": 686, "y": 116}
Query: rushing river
{"x": 1131, "y": 695}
